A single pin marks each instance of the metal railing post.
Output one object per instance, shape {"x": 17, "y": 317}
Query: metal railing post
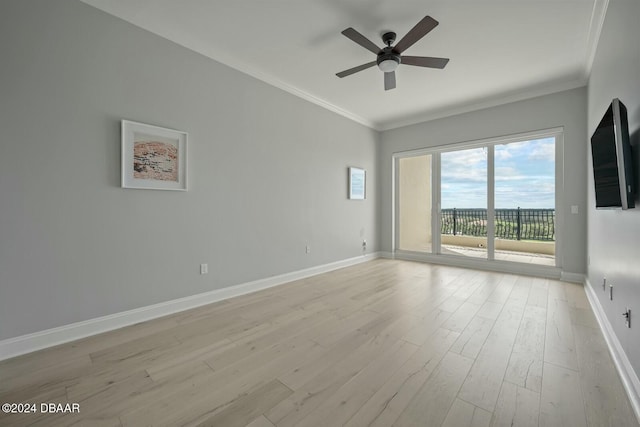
{"x": 518, "y": 222}
{"x": 454, "y": 221}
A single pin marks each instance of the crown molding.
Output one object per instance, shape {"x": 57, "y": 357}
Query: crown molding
{"x": 487, "y": 103}
{"x": 598, "y": 15}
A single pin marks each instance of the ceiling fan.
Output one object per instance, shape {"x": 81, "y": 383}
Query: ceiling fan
{"x": 389, "y": 57}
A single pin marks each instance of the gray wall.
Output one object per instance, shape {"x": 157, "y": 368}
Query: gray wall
{"x": 614, "y": 235}
{"x": 565, "y": 109}
{"x": 267, "y": 172}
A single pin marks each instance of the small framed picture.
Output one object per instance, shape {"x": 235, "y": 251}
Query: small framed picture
{"x": 153, "y": 158}
{"x": 357, "y": 183}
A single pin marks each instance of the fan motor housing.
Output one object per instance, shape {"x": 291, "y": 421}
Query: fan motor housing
{"x": 386, "y": 54}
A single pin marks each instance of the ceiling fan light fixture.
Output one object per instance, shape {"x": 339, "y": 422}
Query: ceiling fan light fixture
{"x": 388, "y": 65}
{"x": 389, "y": 57}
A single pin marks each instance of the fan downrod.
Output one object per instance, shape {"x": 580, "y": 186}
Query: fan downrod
{"x": 388, "y": 38}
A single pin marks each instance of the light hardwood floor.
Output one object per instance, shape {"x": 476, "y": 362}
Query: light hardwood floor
{"x": 379, "y": 344}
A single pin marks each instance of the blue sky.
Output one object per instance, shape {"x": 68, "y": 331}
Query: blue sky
{"x": 524, "y": 173}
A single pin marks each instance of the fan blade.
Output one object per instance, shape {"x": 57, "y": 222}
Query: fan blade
{"x": 361, "y": 40}
{"x": 425, "y": 61}
{"x": 416, "y": 33}
{"x": 390, "y": 80}
{"x": 353, "y": 70}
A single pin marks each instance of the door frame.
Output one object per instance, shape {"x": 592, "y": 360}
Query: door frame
{"x": 489, "y": 263}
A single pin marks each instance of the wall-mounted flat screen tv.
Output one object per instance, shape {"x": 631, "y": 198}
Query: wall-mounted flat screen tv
{"x": 612, "y": 162}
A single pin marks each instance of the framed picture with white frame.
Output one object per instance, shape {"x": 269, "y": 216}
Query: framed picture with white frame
{"x": 153, "y": 158}
{"x": 357, "y": 183}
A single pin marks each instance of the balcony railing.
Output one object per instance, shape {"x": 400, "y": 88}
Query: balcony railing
{"x": 512, "y": 224}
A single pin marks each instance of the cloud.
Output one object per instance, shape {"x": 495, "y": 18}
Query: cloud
{"x": 508, "y": 173}
{"x": 524, "y": 176}
{"x": 464, "y": 166}
{"x": 543, "y": 151}
{"x": 503, "y": 154}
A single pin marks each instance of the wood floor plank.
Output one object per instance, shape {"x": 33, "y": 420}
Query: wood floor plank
{"x": 326, "y": 376}
{"x": 261, "y": 421}
{"x": 308, "y": 397}
{"x": 463, "y": 414}
{"x": 490, "y": 310}
{"x": 539, "y": 293}
{"x": 561, "y": 402}
{"x": 429, "y": 324}
{"x": 503, "y": 289}
{"x": 105, "y": 401}
{"x": 520, "y": 292}
{"x": 482, "y": 294}
{"x": 525, "y": 365}
{"x": 482, "y": 386}
{"x": 431, "y": 404}
{"x": 207, "y": 398}
{"x": 249, "y": 346}
{"x": 107, "y": 384}
{"x": 43, "y": 378}
{"x": 386, "y": 405}
{"x": 575, "y": 295}
{"x": 459, "y": 320}
{"x": 516, "y": 406}
{"x": 135, "y": 405}
{"x": 471, "y": 340}
{"x": 584, "y": 317}
{"x": 382, "y": 343}
{"x": 556, "y": 290}
{"x": 452, "y": 304}
{"x": 346, "y": 401}
{"x": 185, "y": 354}
{"x": 468, "y": 288}
{"x": 135, "y": 351}
{"x": 559, "y": 347}
{"x": 248, "y": 407}
{"x": 353, "y": 345}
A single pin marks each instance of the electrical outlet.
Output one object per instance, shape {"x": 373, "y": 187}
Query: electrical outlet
{"x": 627, "y": 317}
{"x": 364, "y": 245}
{"x": 308, "y": 249}
{"x": 204, "y": 268}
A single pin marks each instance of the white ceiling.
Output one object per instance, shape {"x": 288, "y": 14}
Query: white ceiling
{"x": 500, "y": 50}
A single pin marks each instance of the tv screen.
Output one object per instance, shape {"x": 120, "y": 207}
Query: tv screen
{"x": 612, "y": 163}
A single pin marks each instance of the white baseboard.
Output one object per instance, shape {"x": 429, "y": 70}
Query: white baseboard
{"x": 565, "y": 276}
{"x": 628, "y": 376}
{"x": 36, "y": 341}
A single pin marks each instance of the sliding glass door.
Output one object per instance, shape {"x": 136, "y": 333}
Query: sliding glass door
{"x": 463, "y": 201}
{"x": 492, "y": 200}
{"x": 525, "y": 201}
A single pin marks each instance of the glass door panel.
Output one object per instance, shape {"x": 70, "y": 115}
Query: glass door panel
{"x": 525, "y": 201}
{"x": 463, "y": 191}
